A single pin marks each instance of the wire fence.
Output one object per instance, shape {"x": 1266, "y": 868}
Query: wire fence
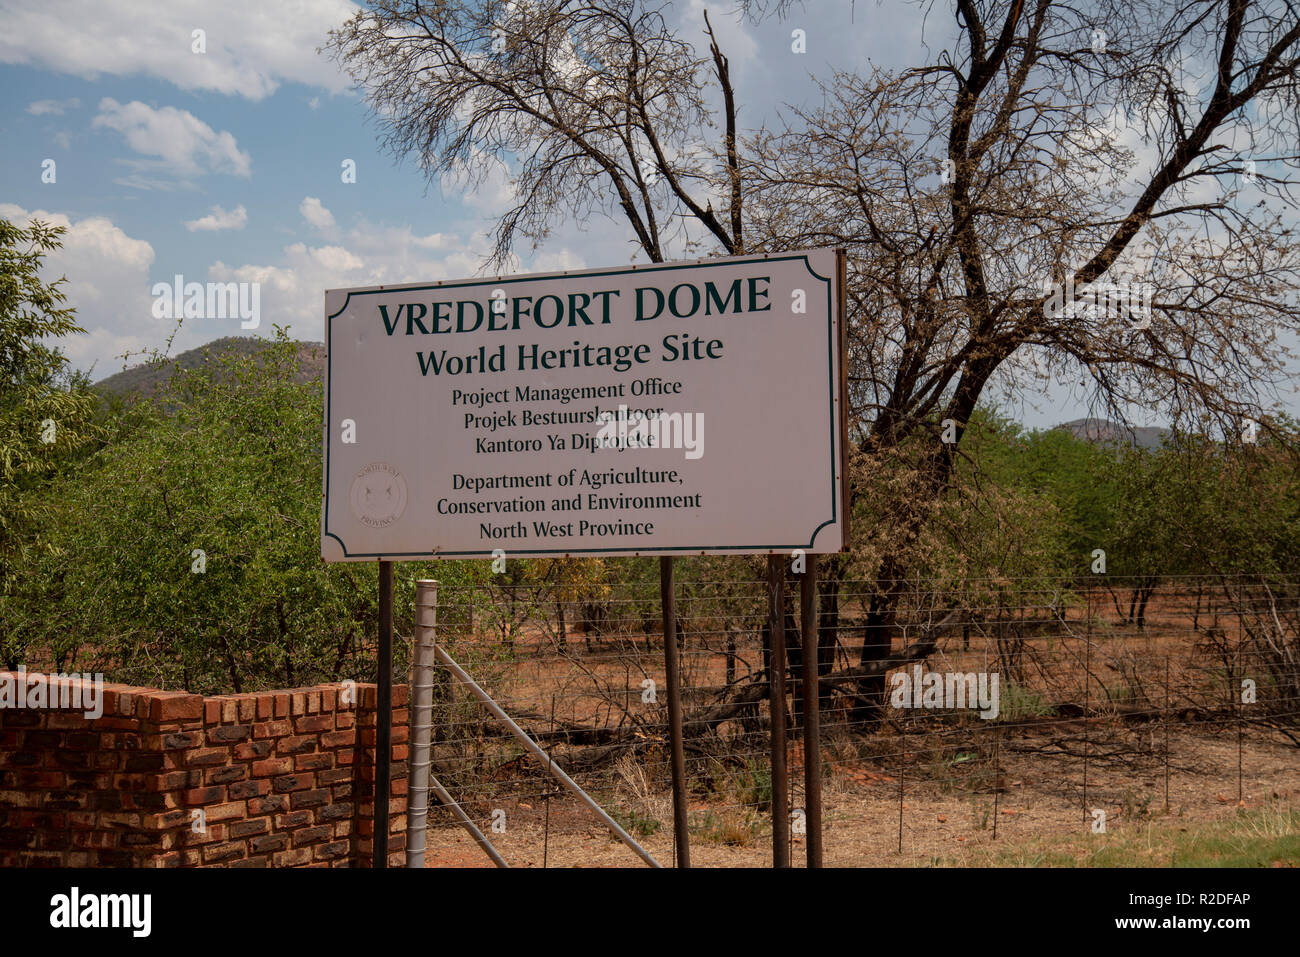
{"x": 1053, "y": 709}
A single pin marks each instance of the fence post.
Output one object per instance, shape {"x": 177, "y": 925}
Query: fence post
{"x": 417, "y": 791}
{"x": 681, "y": 833}
{"x": 776, "y": 685}
{"x": 383, "y": 718}
{"x": 812, "y": 756}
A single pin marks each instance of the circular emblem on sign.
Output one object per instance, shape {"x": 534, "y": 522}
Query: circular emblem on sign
{"x": 378, "y": 495}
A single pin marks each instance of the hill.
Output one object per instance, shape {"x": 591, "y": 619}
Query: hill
{"x": 146, "y": 379}
{"x": 1103, "y": 430}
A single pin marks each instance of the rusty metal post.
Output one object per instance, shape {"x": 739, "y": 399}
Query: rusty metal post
{"x": 812, "y": 756}
{"x": 383, "y": 717}
{"x": 682, "y": 837}
{"x": 776, "y": 687}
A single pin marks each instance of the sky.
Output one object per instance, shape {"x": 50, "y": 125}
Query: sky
{"x": 226, "y": 163}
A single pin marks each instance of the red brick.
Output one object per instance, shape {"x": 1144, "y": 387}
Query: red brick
{"x": 298, "y": 744}
{"x": 330, "y": 813}
{"x": 174, "y": 706}
{"x": 268, "y": 804}
{"x": 249, "y": 789}
{"x": 212, "y": 711}
{"x": 270, "y": 842}
{"x": 313, "y": 762}
{"x": 312, "y": 835}
{"x": 334, "y": 776}
{"x": 293, "y": 858}
{"x": 292, "y": 782}
{"x": 217, "y": 853}
{"x": 285, "y": 822}
{"x": 228, "y": 775}
{"x": 314, "y": 724}
{"x": 207, "y": 757}
{"x": 265, "y": 706}
{"x": 229, "y": 732}
{"x": 271, "y": 767}
{"x": 225, "y": 812}
{"x": 195, "y": 796}
{"x": 252, "y": 750}
{"x": 247, "y": 708}
{"x": 248, "y": 828}
{"x": 171, "y": 781}
{"x": 304, "y": 799}
{"x": 337, "y": 739}
{"x": 272, "y": 729}
{"x": 333, "y": 851}
{"x": 110, "y": 700}
{"x": 175, "y": 740}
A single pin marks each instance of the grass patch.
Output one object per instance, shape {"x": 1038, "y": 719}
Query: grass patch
{"x": 734, "y": 828}
{"x": 634, "y": 822}
{"x": 1262, "y": 837}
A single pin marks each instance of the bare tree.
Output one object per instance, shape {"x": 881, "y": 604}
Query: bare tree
{"x": 1049, "y": 147}
{"x": 598, "y": 107}
{"x": 967, "y": 187}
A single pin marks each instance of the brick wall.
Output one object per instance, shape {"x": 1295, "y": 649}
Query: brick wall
{"x": 283, "y": 778}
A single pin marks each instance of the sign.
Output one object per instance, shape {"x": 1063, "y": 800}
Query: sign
{"x": 672, "y": 408}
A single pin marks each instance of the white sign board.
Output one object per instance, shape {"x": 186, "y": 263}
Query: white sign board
{"x": 664, "y": 409}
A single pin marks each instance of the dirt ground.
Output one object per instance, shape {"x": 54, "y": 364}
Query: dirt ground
{"x": 1036, "y": 798}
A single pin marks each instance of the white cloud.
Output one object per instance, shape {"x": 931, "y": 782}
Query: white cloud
{"x": 109, "y": 280}
{"x": 252, "y": 45}
{"x": 492, "y": 192}
{"x": 292, "y": 288}
{"x": 734, "y": 39}
{"x": 108, "y": 285}
{"x": 315, "y": 213}
{"x": 219, "y": 219}
{"x": 55, "y": 107}
{"x": 186, "y": 146}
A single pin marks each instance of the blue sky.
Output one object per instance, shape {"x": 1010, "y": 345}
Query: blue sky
{"x": 226, "y": 164}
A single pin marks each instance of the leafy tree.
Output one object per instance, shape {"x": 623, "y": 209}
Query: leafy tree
{"x": 45, "y": 409}
{"x": 188, "y": 549}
